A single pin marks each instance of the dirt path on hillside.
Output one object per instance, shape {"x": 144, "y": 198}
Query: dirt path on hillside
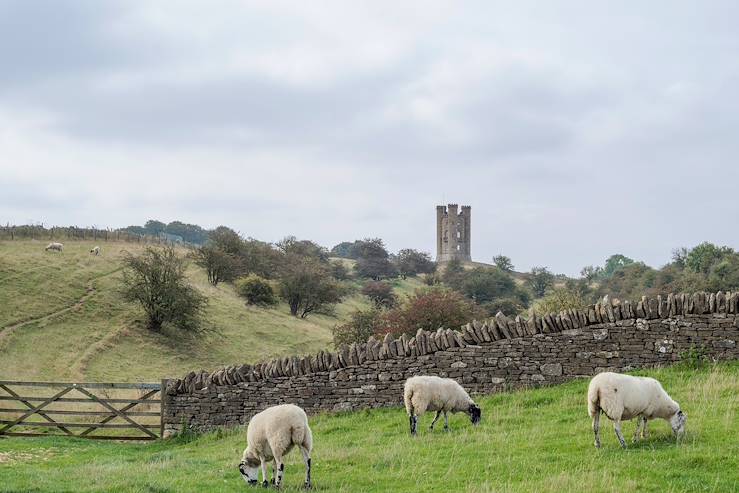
{"x": 79, "y": 367}
{"x": 90, "y": 290}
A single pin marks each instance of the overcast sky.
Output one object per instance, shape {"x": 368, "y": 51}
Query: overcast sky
{"x": 574, "y": 129}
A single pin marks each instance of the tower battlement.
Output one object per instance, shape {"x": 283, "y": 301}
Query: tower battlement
{"x": 453, "y": 233}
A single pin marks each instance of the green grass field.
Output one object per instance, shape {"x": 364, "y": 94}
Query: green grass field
{"x": 534, "y": 440}
{"x": 61, "y": 318}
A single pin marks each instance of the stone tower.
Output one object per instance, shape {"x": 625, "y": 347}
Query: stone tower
{"x": 453, "y": 233}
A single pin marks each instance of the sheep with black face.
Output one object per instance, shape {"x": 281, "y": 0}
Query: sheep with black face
{"x": 443, "y": 395}
{"x": 271, "y": 434}
{"x": 624, "y": 397}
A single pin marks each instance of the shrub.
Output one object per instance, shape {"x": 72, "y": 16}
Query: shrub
{"x": 695, "y": 357}
{"x": 363, "y": 324}
{"x": 218, "y": 264}
{"x": 429, "y": 309}
{"x": 256, "y": 290}
{"x": 339, "y": 270}
{"x": 156, "y": 280}
{"x": 559, "y": 299}
{"x": 307, "y": 286}
{"x": 380, "y": 293}
{"x": 540, "y": 279}
{"x": 411, "y": 262}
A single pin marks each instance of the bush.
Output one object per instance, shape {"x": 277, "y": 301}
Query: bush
{"x": 411, "y": 262}
{"x": 559, "y": 299}
{"x": 380, "y": 293}
{"x": 429, "y": 309}
{"x": 256, "y": 290}
{"x": 307, "y": 286}
{"x": 694, "y": 358}
{"x": 156, "y": 280}
{"x": 339, "y": 270}
{"x": 218, "y": 264}
{"x": 363, "y": 324}
{"x": 540, "y": 279}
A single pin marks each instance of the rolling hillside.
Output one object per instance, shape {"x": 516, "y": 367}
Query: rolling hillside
{"x": 61, "y": 318}
{"x": 535, "y": 440}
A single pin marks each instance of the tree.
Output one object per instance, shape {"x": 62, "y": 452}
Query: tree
{"x": 339, "y": 270}
{"x": 191, "y": 233}
{"x": 154, "y": 227}
{"x": 680, "y": 257}
{"x": 701, "y": 258}
{"x": 362, "y": 325}
{"x": 484, "y": 284}
{"x": 373, "y": 259}
{"x": 304, "y": 248}
{"x": 411, "y": 262}
{"x": 307, "y": 286}
{"x": 256, "y": 290}
{"x": 380, "y": 293}
{"x": 219, "y": 265}
{"x": 227, "y": 240}
{"x": 614, "y": 263}
{"x": 429, "y": 309}
{"x": 540, "y": 279}
{"x": 156, "y": 280}
{"x": 453, "y": 274}
{"x": 591, "y": 273}
{"x": 345, "y": 249}
{"x": 504, "y": 263}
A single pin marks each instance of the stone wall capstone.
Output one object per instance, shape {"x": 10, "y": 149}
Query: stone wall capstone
{"x": 485, "y": 357}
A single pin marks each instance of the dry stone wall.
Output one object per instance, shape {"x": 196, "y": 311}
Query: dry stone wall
{"x": 485, "y": 357}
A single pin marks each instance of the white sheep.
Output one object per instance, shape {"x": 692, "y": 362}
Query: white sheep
{"x": 95, "y": 250}
{"x": 624, "y": 397}
{"x": 271, "y": 434}
{"x": 443, "y": 395}
{"x": 54, "y": 246}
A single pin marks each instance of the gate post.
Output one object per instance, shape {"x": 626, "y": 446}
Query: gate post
{"x": 162, "y": 406}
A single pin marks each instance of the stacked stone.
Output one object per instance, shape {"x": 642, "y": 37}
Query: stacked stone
{"x": 475, "y": 333}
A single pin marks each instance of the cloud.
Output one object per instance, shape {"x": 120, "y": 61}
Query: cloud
{"x": 575, "y": 131}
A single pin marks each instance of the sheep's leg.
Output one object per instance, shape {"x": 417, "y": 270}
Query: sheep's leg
{"x": 274, "y": 471}
{"x": 644, "y": 430}
{"x": 414, "y": 424}
{"x": 596, "y": 429}
{"x": 265, "y": 481}
{"x": 446, "y": 421}
{"x": 280, "y": 471}
{"x": 306, "y": 460}
{"x": 436, "y": 418}
{"x": 617, "y": 429}
{"x": 639, "y": 422}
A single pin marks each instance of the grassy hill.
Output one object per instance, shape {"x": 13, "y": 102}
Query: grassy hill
{"x": 536, "y": 440}
{"x": 61, "y": 318}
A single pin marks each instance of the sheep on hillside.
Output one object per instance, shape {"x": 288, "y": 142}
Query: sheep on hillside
{"x": 54, "y": 246}
{"x": 443, "y": 395}
{"x": 624, "y": 397}
{"x": 270, "y": 435}
{"x": 95, "y": 250}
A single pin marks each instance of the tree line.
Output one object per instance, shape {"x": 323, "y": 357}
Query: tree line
{"x": 310, "y": 279}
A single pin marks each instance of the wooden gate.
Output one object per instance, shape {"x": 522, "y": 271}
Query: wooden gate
{"x": 102, "y": 411}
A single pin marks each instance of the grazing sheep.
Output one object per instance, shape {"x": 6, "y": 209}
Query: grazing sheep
{"x": 270, "y": 435}
{"x": 623, "y": 397}
{"x": 54, "y": 246}
{"x": 95, "y": 250}
{"x": 443, "y": 395}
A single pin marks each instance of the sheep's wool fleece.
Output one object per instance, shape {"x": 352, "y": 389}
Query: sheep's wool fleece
{"x": 431, "y": 393}
{"x": 629, "y": 397}
{"x": 277, "y": 427}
